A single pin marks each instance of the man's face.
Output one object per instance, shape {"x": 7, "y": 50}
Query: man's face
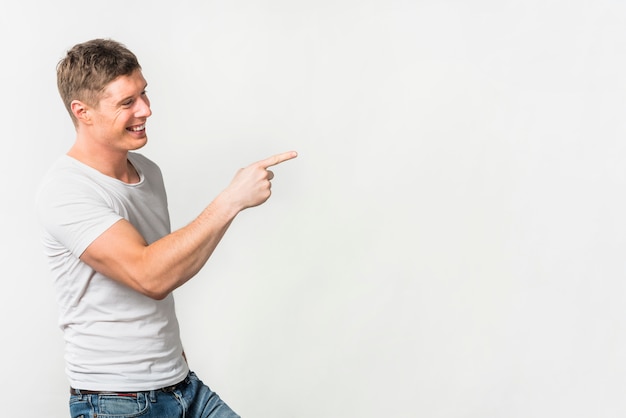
{"x": 120, "y": 115}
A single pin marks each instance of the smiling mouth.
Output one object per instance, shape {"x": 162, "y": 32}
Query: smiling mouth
{"x": 137, "y": 128}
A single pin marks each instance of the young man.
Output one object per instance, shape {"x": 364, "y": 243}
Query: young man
{"x": 114, "y": 260}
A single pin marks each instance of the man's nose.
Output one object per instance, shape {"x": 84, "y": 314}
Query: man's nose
{"x": 143, "y": 108}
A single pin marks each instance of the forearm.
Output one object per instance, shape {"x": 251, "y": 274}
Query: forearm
{"x": 174, "y": 259}
{"x": 122, "y": 254}
{"x": 177, "y": 257}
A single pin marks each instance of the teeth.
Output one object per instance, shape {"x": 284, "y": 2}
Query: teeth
{"x": 137, "y": 128}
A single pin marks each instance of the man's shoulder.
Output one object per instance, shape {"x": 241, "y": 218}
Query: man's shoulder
{"x": 70, "y": 181}
{"x": 65, "y": 172}
{"x": 61, "y": 172}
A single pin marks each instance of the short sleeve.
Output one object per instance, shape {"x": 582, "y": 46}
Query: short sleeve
{"x": 74, "y": 212}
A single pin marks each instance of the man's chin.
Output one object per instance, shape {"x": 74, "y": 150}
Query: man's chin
{"x": 139, "y": 143}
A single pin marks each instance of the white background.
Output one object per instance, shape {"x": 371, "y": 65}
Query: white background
{"x": 450, "y": 242}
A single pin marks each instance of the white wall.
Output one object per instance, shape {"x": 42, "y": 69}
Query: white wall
{"x": 450, "y": 242}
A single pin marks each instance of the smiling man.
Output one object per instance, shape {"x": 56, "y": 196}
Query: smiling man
{"x": 114, "y": 260}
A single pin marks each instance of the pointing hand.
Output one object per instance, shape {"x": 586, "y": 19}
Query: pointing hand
{"x": 251, "y": 185}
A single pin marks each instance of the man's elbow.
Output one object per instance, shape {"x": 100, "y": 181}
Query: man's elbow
{"x": 153, "y": 290}
{"x": 157, "y": 295}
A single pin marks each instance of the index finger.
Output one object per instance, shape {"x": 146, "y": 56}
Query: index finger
{"x": 277, "y": 159}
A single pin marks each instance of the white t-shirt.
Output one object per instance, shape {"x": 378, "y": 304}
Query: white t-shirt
{"x": 116, "y": 338}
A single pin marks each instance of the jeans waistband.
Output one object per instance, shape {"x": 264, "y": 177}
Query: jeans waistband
{"x": 129, "y": 394}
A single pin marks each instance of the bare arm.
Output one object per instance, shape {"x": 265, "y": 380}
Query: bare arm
{"x": 157, "y": 269}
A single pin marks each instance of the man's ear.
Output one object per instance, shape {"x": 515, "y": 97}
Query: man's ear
{"x": 81, "y": 111}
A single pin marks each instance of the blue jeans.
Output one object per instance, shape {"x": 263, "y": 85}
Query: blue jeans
{"x": 191, "y": 399}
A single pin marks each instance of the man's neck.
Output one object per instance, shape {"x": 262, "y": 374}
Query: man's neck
{"x": 111, "y": 163}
